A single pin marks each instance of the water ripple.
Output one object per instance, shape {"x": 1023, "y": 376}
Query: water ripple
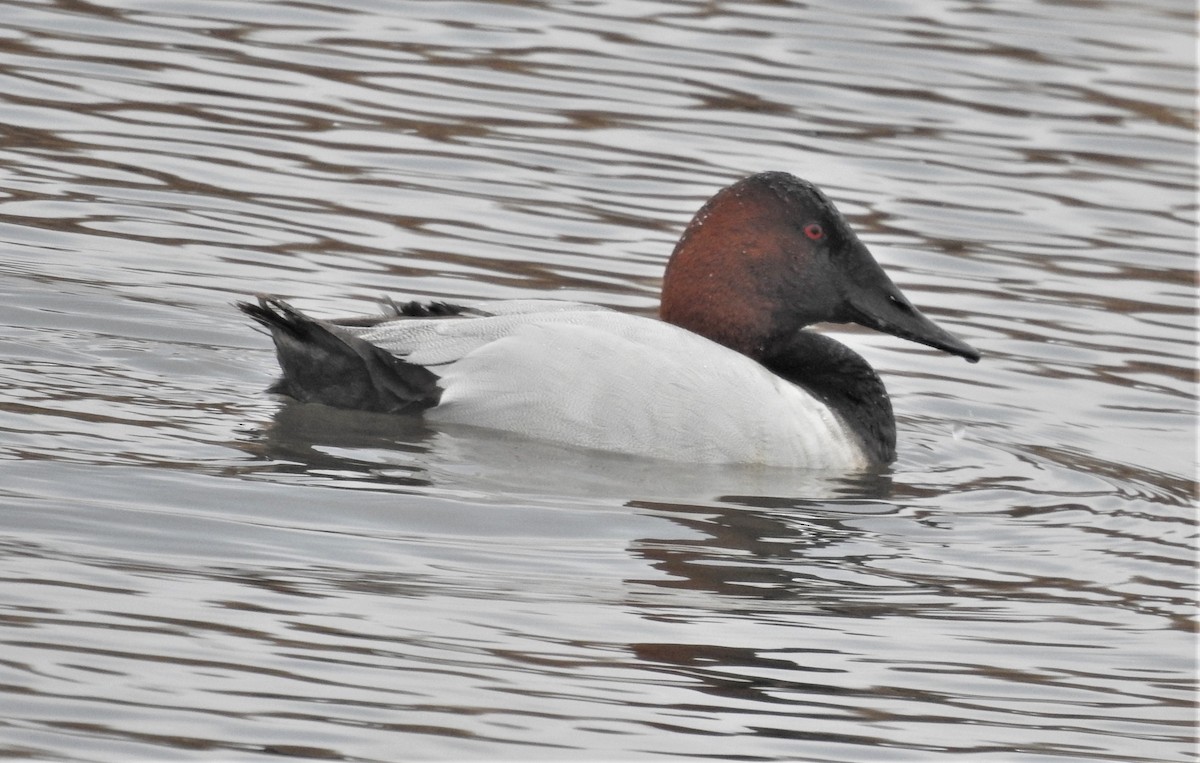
{"x": 192, "y": 567}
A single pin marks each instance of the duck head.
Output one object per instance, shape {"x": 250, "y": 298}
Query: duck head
{"x": 769, "y": 255}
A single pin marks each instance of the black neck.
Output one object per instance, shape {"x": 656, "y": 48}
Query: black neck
{"x": 842, "y": 380}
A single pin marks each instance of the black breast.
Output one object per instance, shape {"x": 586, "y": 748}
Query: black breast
{"x": 842, "y": 380}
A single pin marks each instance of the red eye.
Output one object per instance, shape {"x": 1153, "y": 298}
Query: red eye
{"x": 814, "y": 231}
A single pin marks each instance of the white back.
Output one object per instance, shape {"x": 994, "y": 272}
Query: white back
{"x": 596, "y": 378}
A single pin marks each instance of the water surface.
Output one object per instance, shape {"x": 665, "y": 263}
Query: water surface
{"x": 192, "y": 569}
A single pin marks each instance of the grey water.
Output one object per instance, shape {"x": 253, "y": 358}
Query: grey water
{"x": 191, "y": 569}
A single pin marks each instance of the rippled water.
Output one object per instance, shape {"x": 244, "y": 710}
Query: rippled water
{"x": 192, "y": 569}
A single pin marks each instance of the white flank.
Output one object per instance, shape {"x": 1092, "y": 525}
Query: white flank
{"x": 595, "y": 378}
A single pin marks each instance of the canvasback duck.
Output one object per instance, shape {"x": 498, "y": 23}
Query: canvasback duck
{"x": 728, "y": 375}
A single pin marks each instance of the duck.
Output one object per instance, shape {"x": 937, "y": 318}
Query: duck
{"x": 728, "y": 373}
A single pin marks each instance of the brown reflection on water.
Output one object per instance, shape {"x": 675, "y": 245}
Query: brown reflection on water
{"x": 191, "y": 565}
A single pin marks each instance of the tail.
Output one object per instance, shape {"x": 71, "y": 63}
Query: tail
{"x": 323, "y": 363}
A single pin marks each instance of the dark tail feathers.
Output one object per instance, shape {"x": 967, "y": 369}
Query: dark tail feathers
{"x": 323, "y": 363}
